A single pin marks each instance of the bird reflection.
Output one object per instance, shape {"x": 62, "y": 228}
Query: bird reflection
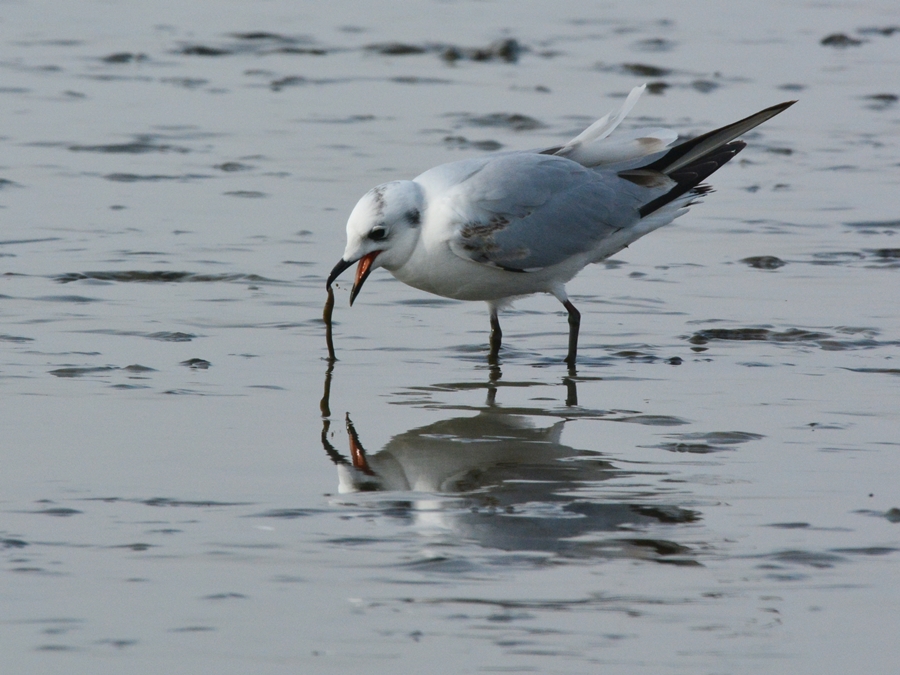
{"x": 516, "y": 484}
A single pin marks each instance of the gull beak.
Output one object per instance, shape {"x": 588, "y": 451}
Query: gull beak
{"x": 336, "y": 272}
{"x": 362, "y": 273}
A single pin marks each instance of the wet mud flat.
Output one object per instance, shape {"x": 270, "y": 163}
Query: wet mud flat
{"x": 188, "y": 484}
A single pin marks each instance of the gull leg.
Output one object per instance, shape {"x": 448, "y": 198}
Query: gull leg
{"x": 574, "y": 323}
{"x": 496, "y": 336}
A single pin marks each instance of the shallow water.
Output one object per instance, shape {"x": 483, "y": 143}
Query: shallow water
{"x": 186, "y": 485}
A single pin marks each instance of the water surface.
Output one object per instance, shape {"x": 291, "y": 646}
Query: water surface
{"x": 188, "y": 487}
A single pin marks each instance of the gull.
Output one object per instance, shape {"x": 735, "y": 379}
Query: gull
{"x": 511, "y": 224}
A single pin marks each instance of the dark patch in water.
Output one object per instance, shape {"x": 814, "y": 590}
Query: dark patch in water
{"x": 225, "y": 596}
{"x": 840, "y": 40}
{"x": 881, "y": 371}
{"x": 164, "y": 501}
{"x": 395, "y": 49}
{"x": 662, "y": 549}
{"x": 885, "y": 253}
{"x": 355, "y": 541}
{"x": 807, "y": 558}
{"x": 192, "y": 629}
{"x": 256, "y": 42}
{"x": 263, "y": 35}
{"x": 690, "y": 448}
{"x": 441, "y": 564}
{"x": 704, "y": 86}
{"x": 836, "y": 257}
{"x": 658, "y": 546}
{"x": 118, "y": 644}
{"x": 667, "y": 514}
{"x": 15, "y": 338}
{"x": 410, "y": 79}
{"x": 875, "y": 226}
{"x": 165, "y": 336}
{"x": 463, "y": 143}
{"x": 136, "y": 368}
{"x": 512, "y": 121}
{"x": 78, "y": 372}
{"x": 312, "y": 51}
{"x": 885, "y": 31}
{"x": 704, "y": 443}
{"x": 13, "y": 543}
{"x": 866, "y": 550}
{"x": 287, "y": 514}
{"x": 203, "y": 50}
{"x": 825, "y": 341}
{"x": 290, "y": 81}
{"x": 644, "y": 70}
{"x": 9, "y": 242}
{"x": 138, "y": 546}
{"x": 77, "y": 299}
{"x": 764, "y": 262}
{"x": 654, "y": 45}
{"x": 246, "y": 194}
{"x": 185, "y": 82}
{"x": 233, "y": 166}
{"x": 633, "y": 356}
{"x": 158, "y": 276}
{"x": 196, "y": 364}
{"x": 507, "y": 50}
{"x": 59, "y": 512}
{"x": 171, "y": 336}
{"x": 124, "y": 57}
{"x": 150, "y": 178}
{"x": 75, "y": 371}
{"x": 653, "y": 420}
{"x": 141, "y": 145}
{"x": 881, "y": 102}
{"x": 790, "y": 526}
{"x": 349, "y": 119}
{"x": 891, "y": 515}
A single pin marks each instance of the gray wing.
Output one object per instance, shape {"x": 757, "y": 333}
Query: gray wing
{"x": 524, "y": 212}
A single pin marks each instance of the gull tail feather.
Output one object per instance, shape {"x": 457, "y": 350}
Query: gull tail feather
{"x": 605, "y": 126}
{"x": 590, "y": 148}
{"x": 690, "y": 163}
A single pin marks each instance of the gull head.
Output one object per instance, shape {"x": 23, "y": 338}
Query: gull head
{"x": 382, "y": 231}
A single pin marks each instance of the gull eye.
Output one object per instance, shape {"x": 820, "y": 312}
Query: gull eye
{"x": 377, "y": 234}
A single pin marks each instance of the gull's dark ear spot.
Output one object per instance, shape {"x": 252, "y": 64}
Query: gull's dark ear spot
{"x": 413, "y": 217}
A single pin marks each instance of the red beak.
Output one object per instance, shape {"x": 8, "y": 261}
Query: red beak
{"x": 362, "y": 273}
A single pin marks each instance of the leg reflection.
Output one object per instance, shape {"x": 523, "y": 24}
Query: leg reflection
{"x": 325, "y": 403}
{"x": 494, "y": 375}
{"x": 571, "y": 389}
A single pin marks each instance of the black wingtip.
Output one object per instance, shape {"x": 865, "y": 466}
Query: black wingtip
{"x": 689, "y": 177}
{"x": 691, "y": 162}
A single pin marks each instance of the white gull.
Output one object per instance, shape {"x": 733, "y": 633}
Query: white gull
{"x": 510, "y": 224}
